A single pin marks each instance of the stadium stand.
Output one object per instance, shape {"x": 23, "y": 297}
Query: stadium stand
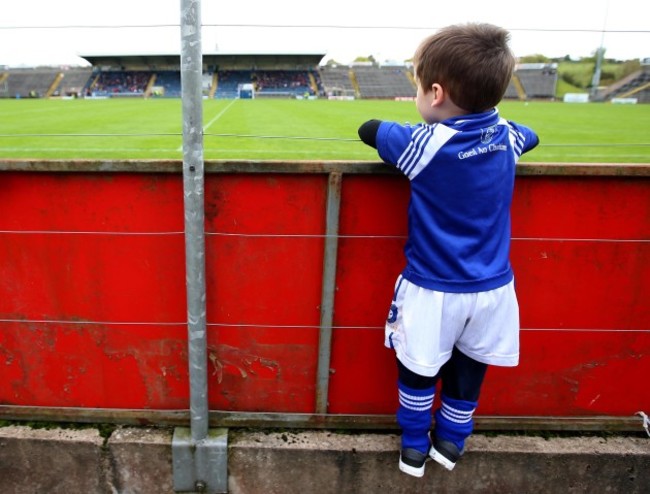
{"x": 167, "y": 83}
{"x": 267, "y": 83}
{"x": 121, "y": 83}
{"x": 511, "y": 91}
{"x": 281, "y": 83}
{"x": 383, "y": 82}
{"x": 229, "y": 81}
{"x": 366, "y": 80}
{"x": 208, "y": 84}
{"x": 636, "y": 85}
{"x": 357, "y": 81}
{"x": 515, "y": 89}
{"x": 279, "y": 76}
{"x": 533, "y": 81}
{"x": 336, "y": 81}
{"x": 28, "y": 83}
{"x": 74, "y": 82}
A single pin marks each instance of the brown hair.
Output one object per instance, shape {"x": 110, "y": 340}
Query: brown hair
{"x": 472, "y": 62}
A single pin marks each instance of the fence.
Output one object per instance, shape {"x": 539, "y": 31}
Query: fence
{"x": 300, "y": 262}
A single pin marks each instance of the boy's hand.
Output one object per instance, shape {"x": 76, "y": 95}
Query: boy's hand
{"x": 368, "y": 132}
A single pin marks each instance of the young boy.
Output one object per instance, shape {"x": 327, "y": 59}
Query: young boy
{"x": 454, "y": 310}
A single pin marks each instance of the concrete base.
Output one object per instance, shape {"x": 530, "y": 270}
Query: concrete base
{"x": 139, "y": 460}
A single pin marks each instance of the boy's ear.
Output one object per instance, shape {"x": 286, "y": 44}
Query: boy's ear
{"x": 438, "y": 93}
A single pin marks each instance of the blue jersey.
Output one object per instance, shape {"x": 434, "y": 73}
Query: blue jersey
{"x": 462, "y": 173}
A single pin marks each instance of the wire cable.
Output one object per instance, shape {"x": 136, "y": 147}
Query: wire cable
{"x": 286, "y": 137}
{"x": 312, "y": 26}
{"x": 302, "y": 235}
{"x": 278, "y": 326}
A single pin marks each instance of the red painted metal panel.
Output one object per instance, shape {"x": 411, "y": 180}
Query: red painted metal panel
{"x": 364, "y": 378}
{"x": 124, "y": 202}
{"x": 262, "y": 369}
{"x": 84, "y": 270}
{"x": 264, "y": 255}
{"x": 257, "y": 285}
{"x": 592, "y": 207}
{"x": 583, "y": 285}
{"x": 373, "y": 230}
{"x": 571, "y": 373}
{"x": 97, "y": 366}
{"x": 596, "y": 284}
{"x": 85, "y": 275}
{"x": 89, "y": 277}
{"x": 580, "y": 253}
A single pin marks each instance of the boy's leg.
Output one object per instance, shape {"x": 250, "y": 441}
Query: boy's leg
{"x": 462, "y": 378}
{"x": 416, "y": 395}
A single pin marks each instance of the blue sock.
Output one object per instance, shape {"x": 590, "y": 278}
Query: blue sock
{"x": 454, "y": 420}
{"x": 414, "y": 416}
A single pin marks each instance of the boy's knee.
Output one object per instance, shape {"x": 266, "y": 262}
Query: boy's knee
{"x": 416, "y": 381}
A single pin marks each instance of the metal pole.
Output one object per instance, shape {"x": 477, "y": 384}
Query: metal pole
{"x": 199, "y": 455}
{"x": 600, "y": 52}
{"x": 328, "y": 290}
{"x": 193, "y": 189}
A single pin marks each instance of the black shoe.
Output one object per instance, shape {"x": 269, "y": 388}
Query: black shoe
{"x": 412, "y": 461}
{"x": 445, "y": 452}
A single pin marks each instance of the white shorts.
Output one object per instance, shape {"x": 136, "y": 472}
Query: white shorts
{"x": 424, "y": 325}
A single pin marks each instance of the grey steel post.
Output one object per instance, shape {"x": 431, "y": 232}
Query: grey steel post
{"x": 193, "y": 189}
{"x": 199, "y": 455}
{"x": 328, "y": 290}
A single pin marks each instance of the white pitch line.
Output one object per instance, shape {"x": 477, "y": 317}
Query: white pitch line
{"x": 209, "y": 124}
{"x": 217, "y": 117}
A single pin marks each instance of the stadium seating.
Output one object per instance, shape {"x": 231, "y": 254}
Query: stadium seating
{"x": 74, "y": 82}
{"x": 383, "y": 82}
{"x": 533, "y": 81}
{"x": 28, "y": 83}
{"x": 121, "y": 83}
{"x": 336, "y": 81}
{"x": 170, "y": 81}
{"x": 511, "y": 92}
{"x": 228, "y": 82}
{"x": 635, "y": 85}
{"x": 281, "y": 83}
{"x": 370, "y": 81}
{"x": 267, "y": 83}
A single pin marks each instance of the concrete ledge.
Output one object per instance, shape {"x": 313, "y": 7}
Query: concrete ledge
{"x": 138, "y": 460}
{"x": 326, "y": 463}
{"x": 58, "y": 460}
{"x": 141, "y": 460}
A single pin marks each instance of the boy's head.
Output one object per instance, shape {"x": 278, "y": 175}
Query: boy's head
{"x": 472, "y": 62}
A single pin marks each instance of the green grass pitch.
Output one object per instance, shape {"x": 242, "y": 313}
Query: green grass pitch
{"x": 263, "y": 129}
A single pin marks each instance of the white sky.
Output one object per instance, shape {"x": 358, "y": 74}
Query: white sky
{"x": 554, "y": 28}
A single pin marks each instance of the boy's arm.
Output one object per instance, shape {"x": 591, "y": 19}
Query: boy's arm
{"x": 368, "y": 132}
{"x": 531, "y": 142}
{"x": 531, "y": 137}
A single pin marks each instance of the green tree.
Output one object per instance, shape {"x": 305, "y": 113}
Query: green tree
{"x": 369, "y": 58}
{"x": 536, "y": 58}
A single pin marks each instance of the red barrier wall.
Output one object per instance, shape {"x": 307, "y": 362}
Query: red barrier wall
{"x": 92, "y": 290}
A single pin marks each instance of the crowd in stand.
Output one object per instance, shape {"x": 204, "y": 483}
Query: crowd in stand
{"x": 121, "y": 82}
{"x": 289, "y": 81}
{"x": 281, "y": 80}
{"x": 371, "y": 82}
